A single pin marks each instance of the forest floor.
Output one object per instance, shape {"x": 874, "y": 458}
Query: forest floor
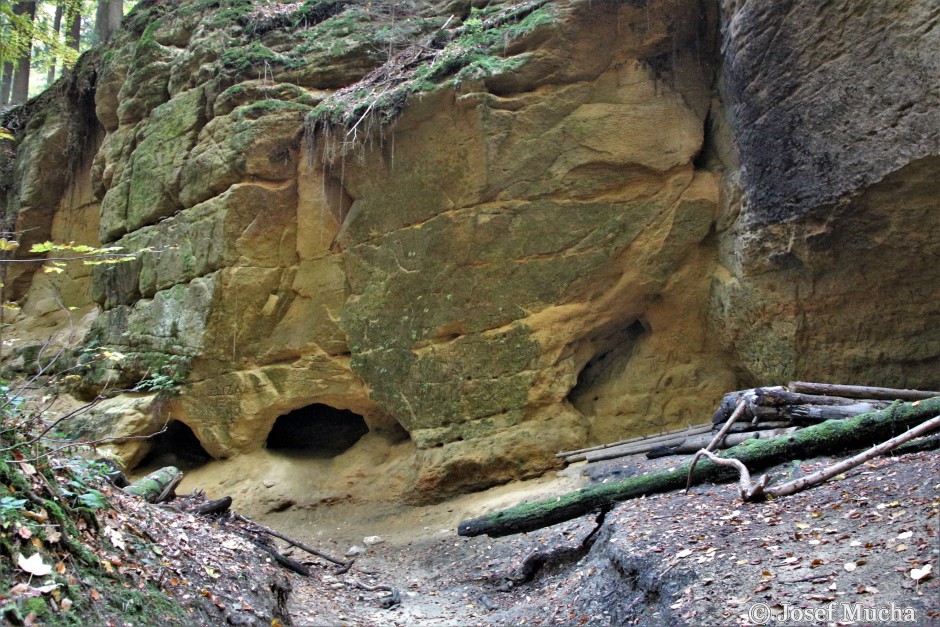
{"x": 855, "y": 549}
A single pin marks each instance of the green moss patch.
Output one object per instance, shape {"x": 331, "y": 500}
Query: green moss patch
{"x": 474, "y": 49}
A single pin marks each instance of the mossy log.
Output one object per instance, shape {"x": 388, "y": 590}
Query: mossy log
{"x": 832, "y": 436}
{"x": 157, "y": 486}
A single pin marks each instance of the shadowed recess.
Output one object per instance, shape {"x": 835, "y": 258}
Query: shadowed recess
{"x": 177, "y": 446}
{"x": 612, "y": 352}
{"x": 318, "y": 430}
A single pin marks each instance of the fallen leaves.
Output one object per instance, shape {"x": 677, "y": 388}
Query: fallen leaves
{"x": 33, "y": 564}
{"x": 922, "y": 573}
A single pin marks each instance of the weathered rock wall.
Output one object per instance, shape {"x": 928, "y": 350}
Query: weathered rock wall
{"x": 828, "y": 237}
{"x": 549, "y": 244}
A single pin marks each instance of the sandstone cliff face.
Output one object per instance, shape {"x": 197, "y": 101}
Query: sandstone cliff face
{"x": 535, "y": 245}
{"x": 828, "y": 242}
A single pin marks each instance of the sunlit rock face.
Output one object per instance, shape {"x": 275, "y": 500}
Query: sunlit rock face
{"x": 593, "y": 234}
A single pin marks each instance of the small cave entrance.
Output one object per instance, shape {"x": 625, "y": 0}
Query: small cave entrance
{"x": 316, "y": 430}
{"x": 600, "y": 376}
{"x": 177, "y": 446}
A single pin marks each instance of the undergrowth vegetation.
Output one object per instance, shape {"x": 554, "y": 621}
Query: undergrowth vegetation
{"x": 60, "y": 563}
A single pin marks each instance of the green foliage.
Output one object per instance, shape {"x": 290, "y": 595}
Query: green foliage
{"x": 146, "y": 13}
{"x": 271, "y": 16}
{"x": 9, "y": 507}
{"x": 158, "y": 383}
{"x": 19, "y": 32}
{"x": 475, "y": 49}
{"x": 49, "y": 508}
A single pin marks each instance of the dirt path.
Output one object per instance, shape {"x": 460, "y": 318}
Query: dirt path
{"x": 846, "y": 547}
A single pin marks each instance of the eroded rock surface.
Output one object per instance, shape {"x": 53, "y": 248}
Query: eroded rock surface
{"x": 575, "y": 236}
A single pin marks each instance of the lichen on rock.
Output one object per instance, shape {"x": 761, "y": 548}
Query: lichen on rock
{"x": 489, "y": 230}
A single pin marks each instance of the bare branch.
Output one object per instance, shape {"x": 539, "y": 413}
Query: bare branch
{"x": 742, "y": 404}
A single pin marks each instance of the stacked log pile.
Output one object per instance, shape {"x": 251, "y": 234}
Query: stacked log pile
{"x": 882, "y": 429}
{"x": 768, "y": 413}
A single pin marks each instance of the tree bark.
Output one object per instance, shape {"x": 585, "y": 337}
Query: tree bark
{"x": 6, "y": 83}
{"x": 56, "y": 27}
{"x": 828, "y": 437}
{"x": 108, "y": 18}
{"x": 21, "y": 76}
{"x": 158, "y": 486}
{"x": 75, "y": 29}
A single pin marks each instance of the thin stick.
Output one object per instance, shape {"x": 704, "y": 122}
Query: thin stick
{"x": 289, "y": 540}
{"x": 742, "y": 403}
{"x": 827, "y": 473}
{"x": 578, "y": 454}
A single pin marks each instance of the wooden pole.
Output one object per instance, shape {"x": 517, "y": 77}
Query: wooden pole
{"x": 580, "y": 454}
{"x": 860, "y": 391}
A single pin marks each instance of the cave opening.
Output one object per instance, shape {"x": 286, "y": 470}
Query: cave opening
{"x": 316, "y": 430}
{"x": 176, "y": 446}
{"x": 612, "y": 351}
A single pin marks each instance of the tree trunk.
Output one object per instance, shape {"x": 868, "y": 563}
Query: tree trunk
{"x": 75, "y": 29}
{"x": 108, "y": 18}
{"x": 861, "y": 391}
{"x": 56, "y": 27}
{"x": 21, "y": 76}
{"x": 828, "y": 437}
{"x": 6, "y": 82}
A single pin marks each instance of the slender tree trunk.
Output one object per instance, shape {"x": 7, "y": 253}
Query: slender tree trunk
{"x": 56, "y": 27}
{"x": 108, "y": 18}
{"x": 74, "y": 26}
{"x": 21, "y": 77}
{"x": 6, "y": 82}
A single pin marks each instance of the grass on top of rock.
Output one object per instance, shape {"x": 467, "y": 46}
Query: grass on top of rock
{"x": 475, "y": 49}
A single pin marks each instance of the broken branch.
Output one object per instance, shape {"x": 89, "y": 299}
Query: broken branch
{"x": 742, "y": 404}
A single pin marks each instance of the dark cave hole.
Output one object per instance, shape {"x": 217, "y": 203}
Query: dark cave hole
{"x": 177, "y": 446}
{"x": 318, "y": 430}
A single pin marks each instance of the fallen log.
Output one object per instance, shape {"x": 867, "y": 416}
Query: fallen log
{"x": 832, "y": 436}
{"x": 158, "y": 486}
{"x": 860, "y": 391}
{"x": 819, "y": 413}
{"x": 778, "y": 397}
{"x": 640, "y": 447}
{"x": 218, "y": 506}
{"x": 759, "y": 490}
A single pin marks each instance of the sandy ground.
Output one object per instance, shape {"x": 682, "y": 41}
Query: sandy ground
{"x": 834, "y": 551}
